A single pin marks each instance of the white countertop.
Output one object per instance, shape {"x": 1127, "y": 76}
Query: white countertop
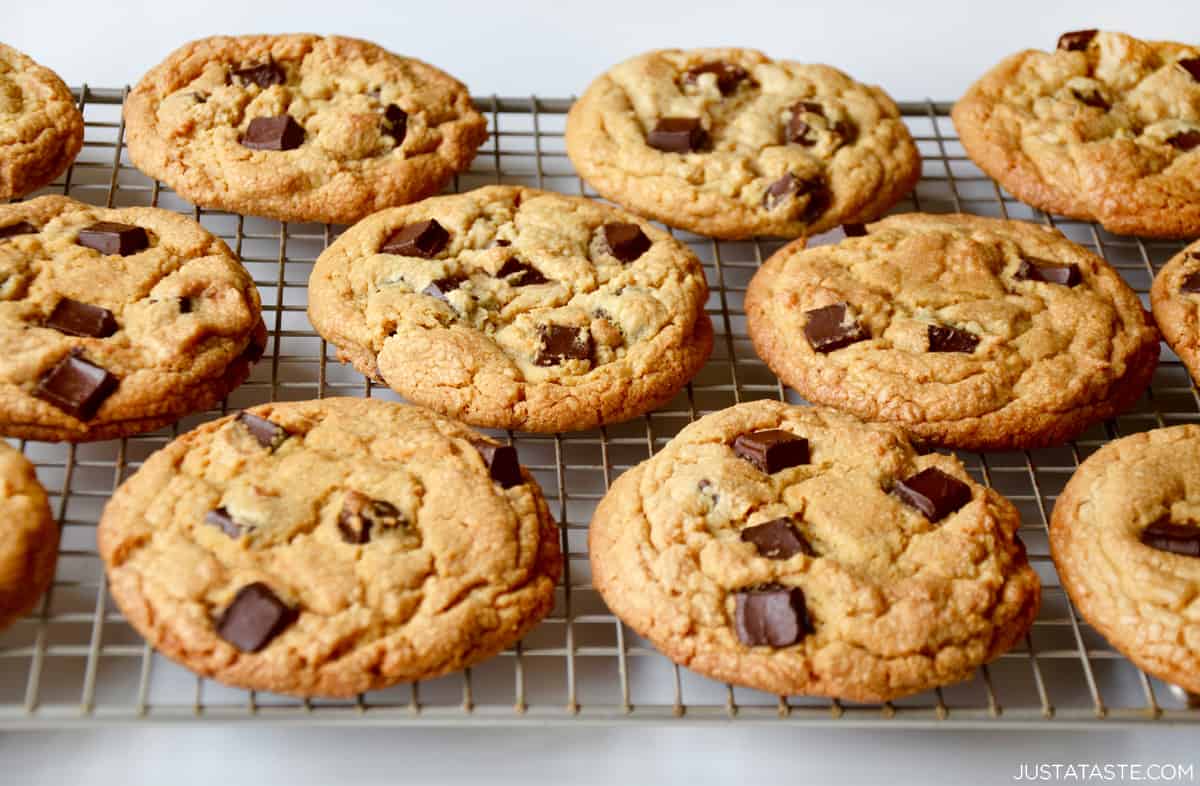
{"x": 919, "y": 49}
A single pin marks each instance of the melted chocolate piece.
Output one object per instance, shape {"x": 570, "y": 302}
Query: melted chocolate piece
{"x": 109, "y": 237}
{"x": 19, "y": 228}
{"x": 1185, "y": 141}
{"x": 1039, "y": 270}
{"x": 1076, "y": 41}
{"x": 273, "y": 133}
{"x": 626, "y": 242}
{"x": 934, "y": 493}
{"x": 777, "y": 539}
{"x": 1191, "y": 284}
{"x": 1192, "y": 66}
{"x": 773, "y": 616}
{"x": 502, "y": 464}
{"x": 81, "y": 319}
{"x": 264, "y": 75}
{"x": 772, "y": 450}
{"x": 223, "y": 520}
{"x": 268, "y": 434}
{"x": 520, "y": 274}
{"x": 678, "y": 135}
{"x": 76, "y": 386}
{"x": 1173, "y": 538}
{"x": 728, "y": 76}
{"x": 943, "y": 338}
{"x": 557, "y": 343}
{"x": 831, "y": 328}
{"x": 395, "y": 123}
{"x": 423, "y": 239}
{"x": 1092, "y": 99}
{"x": 854, "y": 230}
{"x": 442, "y": 287}
{"x": 360, "y": 515}
{"x": 254, "y": 618}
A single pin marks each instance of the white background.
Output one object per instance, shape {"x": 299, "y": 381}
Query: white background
{"x": 915, "y": 49}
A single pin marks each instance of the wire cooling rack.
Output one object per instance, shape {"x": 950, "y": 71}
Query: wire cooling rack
{"x": 74, "y": 661}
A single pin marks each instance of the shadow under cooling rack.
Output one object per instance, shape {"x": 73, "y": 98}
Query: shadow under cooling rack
{"x": 74, "y": 661}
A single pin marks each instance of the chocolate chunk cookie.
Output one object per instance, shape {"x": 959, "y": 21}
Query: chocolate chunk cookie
{"x": 968, "y": 332}
{"x": 516, "y": 308}
{"x": 729, "y": 143}
{"x": 852, "y": 568}
{"x": 1125, "y": 537}
{"x": 115, "y": 322}
{"x": 325, "y": 548}
{"x": 41, "y": 130}
{"x": 1105, "y": 128}
{"x": 1175, "y": 297}
{"x": 28, "y": 537}
{"x": 300, "y": 127}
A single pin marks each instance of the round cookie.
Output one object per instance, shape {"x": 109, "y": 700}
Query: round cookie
{"x": 300, "y": 127}
{"x": 115, "y": 322}
{"x": 515, "y": 308}
{"x": 729, "y": 143}
{"x": 798, "y": 551}
{"x": 41, "y": 130}
{"x": 326, "y": 548}
{"x": 28, "y": 537}
{"x": 1175, "y": 296}
{"x": 1105, "y": 128}
{"x": 1125, "y": 537}
{"x": 969, "y": 332}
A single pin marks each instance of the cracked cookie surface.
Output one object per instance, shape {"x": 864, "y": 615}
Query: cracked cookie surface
{"x": 526, "y": 309}
{"x": 1175, "y": 296}
{"x": 891, "y": 602}
{"x": 777, "y": 147}
{"x": 116, "y": 321}
{"x": 1125, "y": 537}
{"x": 41, "y": 130}
{"x": 968, "y": 332}
{"x": 1104, "y": 128}
{"x": 369, "y": 129}
{"x": 28, "y": 537}
{"x": 378, "y": 546}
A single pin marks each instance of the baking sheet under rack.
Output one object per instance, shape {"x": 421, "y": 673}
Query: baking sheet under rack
{"x": 75, "y": 662}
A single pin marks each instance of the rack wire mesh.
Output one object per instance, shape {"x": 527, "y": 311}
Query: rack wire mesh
{"x": 74, "y": 661}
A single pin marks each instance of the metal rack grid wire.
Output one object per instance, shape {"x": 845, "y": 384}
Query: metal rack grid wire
{"x": 75, "y": 662}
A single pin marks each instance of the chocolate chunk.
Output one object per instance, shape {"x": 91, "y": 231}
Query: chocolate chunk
{"x": 1093, "y": 99}
{"x": 772, "y": 450}
{"x": 185, "y": 304}
{"x": 268, "y": 434}
{"x": 264, "y": 75}
{"x": 1174, "y": 538}
{"x": 502, "y": 242}
{"x": 678, "y": 135}
{"x": 109, "y": 237}
{"x": 395, "y": 123}
{"x": 1076, "y": 41}
{"x": 943, "y": 338}
{"x": 520, "y": 274}
{"x": 422, "y": 239}
{"x": 19, "y": 228}
{"x": 360, "y": 514}
{"x": 223, "y": 520}
{"x": 1192, "y": 66}
{"x": 790, "y": 185}
{"x": 626, "y": 242}
{"x": 501, "y": 461}
{"x": 777, "y": 539}
{"x": 772, "y": 615}
{"x": 557, "y": 343}
{"x": 780, "y": 190}
{"x": 854, "y": 230}
{"x": 273, "y": 133}
{"x": 832, "y": 327}
{"x": 1185, "y": 141}
{"x": 934, "y": 493}
{"x": 812, "y": 107}
{"x": 254, "y": 618}
{"x": 706, "y": 487}
{"x": 82, "y": 319}
{"x": 729, "y": 76}
{"x": 1191, "y": 284}
{"x": 442, "y": 287}
{"x": 1039, "y": 270}
{"x": 76, "y": 386}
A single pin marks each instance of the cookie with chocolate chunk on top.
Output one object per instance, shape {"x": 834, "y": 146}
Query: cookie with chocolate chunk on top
{"x": 730, "y": 143}
{"x": 41, "y": 128}
{"x": 331, "y": 547}
{"x": 511, "y": 307}
{"x": 1175, "y": 296}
